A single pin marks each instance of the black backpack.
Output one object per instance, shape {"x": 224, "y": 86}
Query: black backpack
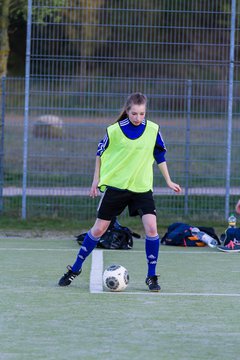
{"x": 116, "y": 237}
{"x": 180, "y": 234}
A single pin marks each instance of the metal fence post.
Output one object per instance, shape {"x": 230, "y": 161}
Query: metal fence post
{"x": 3, "y": 96}
{"x": 230, "y": 106}
{"x": 26, "y": 110}
{"x": 187, "y": 145}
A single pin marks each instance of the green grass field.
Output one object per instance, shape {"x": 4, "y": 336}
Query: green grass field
{"x": 195, "y": 316}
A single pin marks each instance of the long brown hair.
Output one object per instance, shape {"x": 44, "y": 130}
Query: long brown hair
{"x": 133, "y": 99}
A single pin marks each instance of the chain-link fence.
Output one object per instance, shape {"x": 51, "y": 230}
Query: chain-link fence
{"x": 83, "y": 59}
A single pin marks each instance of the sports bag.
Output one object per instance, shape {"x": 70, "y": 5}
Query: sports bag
{"x": 180, "y": 234}
{"x": 116, "y": 237}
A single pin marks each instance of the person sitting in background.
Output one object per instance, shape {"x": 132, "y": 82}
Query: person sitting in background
{"x": 232, "y": 238}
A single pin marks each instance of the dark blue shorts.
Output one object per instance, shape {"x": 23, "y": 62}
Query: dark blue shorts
{"x": 114, "y": 201}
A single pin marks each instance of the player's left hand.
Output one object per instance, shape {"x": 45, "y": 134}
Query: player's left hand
{"x": 238, "y": 207}
{"x": 175, "y": 187}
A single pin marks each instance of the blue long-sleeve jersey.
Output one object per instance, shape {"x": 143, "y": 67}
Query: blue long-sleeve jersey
{"x": 134, "y": 132}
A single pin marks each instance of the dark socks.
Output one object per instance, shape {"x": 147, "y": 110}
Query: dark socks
{"x": 152, "y": 245}
{"x": 89, "y": 243}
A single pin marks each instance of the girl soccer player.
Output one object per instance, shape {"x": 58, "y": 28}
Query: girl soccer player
{"x": 124, "y": 173}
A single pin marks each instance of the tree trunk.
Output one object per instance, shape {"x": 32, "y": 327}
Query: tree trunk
{"x": 4, "y": 43}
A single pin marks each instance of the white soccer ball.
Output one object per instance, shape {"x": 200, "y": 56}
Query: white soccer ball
{"x": 115, "y": 278}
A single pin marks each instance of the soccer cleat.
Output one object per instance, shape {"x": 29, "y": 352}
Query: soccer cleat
{"x": 152, "y": 283}
{"x": 231, "y": 247}
{"x": 67, "y": 278}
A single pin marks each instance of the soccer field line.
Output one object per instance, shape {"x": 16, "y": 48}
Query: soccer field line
{"x": 130, "y": 251}
{"x": 147, "y": 293}
{"x": 96, "y": 284}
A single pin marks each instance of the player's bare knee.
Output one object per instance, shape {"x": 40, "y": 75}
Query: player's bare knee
{"x": 97, "y": 232}
{"x": 99, "y": 229}
{"x": 151, "y": 231}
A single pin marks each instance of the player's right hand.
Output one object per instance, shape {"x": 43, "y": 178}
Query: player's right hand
{"x": 94, "y": 189}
